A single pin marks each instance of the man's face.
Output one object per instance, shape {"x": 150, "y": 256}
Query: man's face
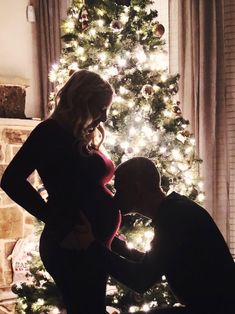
{"x": 124, "y": 197}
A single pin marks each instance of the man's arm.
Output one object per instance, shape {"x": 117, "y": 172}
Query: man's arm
{"x": 139, "y": 276}
{"x": 119, "y": 246}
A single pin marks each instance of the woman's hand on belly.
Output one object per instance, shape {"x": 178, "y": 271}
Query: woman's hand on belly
{"x": 80, "y": 237}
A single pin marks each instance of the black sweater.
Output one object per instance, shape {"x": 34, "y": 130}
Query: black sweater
{"x": 187, "y": 248}
{"x": 73, "y": 181}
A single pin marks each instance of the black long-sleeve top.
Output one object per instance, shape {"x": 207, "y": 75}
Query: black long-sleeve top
{"x": 187, "y": 248}
{"x": 73, "y": 181}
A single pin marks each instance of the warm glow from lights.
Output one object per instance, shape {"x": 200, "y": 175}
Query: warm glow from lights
{"x": 55, "y": 311}
{"x": 132, "y": 131}
{"x": 100, "y": 23}
{"x": 162, "y": 149}
{"x": 80, "y": 50}
{"x": 121, "y": 62}
{"x": 103, "y": 56}
{"x": 201, "y": 197}
{"x": 176, "y": 154}
{"x": 92, "y": 32}
{"x": 145, "y": 308}
{"x": 131, "y": 104}
{"x": 70, "y": 25}
{"x": 140, "y": 56}
{"x": 124, "y": 18}
{"x": 130, "y": 245}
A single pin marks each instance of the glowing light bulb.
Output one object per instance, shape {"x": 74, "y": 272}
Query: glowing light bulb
{"x": 52, "y": 76}
{"x": 80, "y": 50}
{"x": 100, "y": 23}
{"x": 138, "y": 118}
{"x": 130, "y": 245}
{"x": 118, "y": 99}
{"x": 124, "y": 145}
{"x": 192, "y": 141}
{"x": 123, "y": 90}
{"x": 163, "y": 77}
{"x": 130, "y": 104}
{"x": 201, "y": 197}
{"x": 132, "y": 131}
{"x": 100, "y": 12}
{"x": 70, "y": 25}
{"x": 103, "y": 56}
{"x": 112, "y": 71}
{"x": 200, "y": 184}
{"x": 40, "y": 301}
{"x": 136, "y": 8}
{"x": 149, "y": 234}
{"x": 166, "y": 98}
{"x": 176, "y": 154}
{"x": 55, "y": 66}
{"x": 173, "y": 169}
{"x": 124, "y": 18}
{"x": 167, "y": 113}
{"x": 182, "y": 166}
{"x": 141, "y": 142}
{"x": 73, "y": 66}
{"x": 55, "y": 311}
{"x": 145, "y": 307}
{"x": 162, "y": 149}
{"x": 147, "y": 131}
{"x": 114, "y": 112}
{"x": 133, "y": 309}
{"x": 92, "y": 32}
{"x": 141, "y": 56}
{"x": 121, "y": 62}
{"x": 188, "y": 149}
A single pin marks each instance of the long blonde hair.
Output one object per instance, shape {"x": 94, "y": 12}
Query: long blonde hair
{"x": 75, "y": 102}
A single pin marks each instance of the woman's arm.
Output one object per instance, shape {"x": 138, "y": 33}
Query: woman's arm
{"x": 14, "y": 180}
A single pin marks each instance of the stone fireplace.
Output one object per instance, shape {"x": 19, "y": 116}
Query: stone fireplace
{"x": 15, "y": 222}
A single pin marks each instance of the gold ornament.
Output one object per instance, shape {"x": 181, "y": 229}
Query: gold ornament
{"x": 116, "y": 25}
{"x": 158, "y": 30}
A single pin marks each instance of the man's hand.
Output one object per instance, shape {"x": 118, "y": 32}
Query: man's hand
{"x": 80, "y": 237}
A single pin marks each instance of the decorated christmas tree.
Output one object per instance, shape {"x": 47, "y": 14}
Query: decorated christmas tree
{"x": 122, "y": 41}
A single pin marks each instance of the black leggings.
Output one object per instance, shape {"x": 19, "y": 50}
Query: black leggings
{"x": 82, "y": 286}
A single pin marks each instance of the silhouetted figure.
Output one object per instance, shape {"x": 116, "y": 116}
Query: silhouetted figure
{"x": 65, "y": 151}
{"x": 188, "y": 248}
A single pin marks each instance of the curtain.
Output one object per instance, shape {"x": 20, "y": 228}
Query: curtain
{"x": 48, "y": 19}
{"x": 202, "y": 96}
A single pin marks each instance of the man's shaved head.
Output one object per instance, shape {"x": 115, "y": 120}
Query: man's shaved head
{"x": 141, "y": 170}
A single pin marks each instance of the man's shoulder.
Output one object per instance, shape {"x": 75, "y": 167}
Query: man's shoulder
{"x": 177, "y": 203}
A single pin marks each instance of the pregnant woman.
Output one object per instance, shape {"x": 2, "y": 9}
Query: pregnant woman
{"x": 65, "y": 149}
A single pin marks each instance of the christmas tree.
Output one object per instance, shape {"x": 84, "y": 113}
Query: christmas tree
{"x": 122, "y": 41}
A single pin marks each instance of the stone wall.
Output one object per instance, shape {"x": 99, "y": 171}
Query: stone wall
{"x": 15, "y": 222}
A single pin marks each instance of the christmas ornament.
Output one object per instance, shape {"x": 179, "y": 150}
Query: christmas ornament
{"x": 185, "y": 133}
{"x": 116, "y": 25}
{"x": 83, "y": 17}
{"x": 158, "y": 30}
{"x": 123, "y": 2}
{"x": 73, "y": 11}
{"x": 147, "y": 90}
{"x": 177, "y": 110}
